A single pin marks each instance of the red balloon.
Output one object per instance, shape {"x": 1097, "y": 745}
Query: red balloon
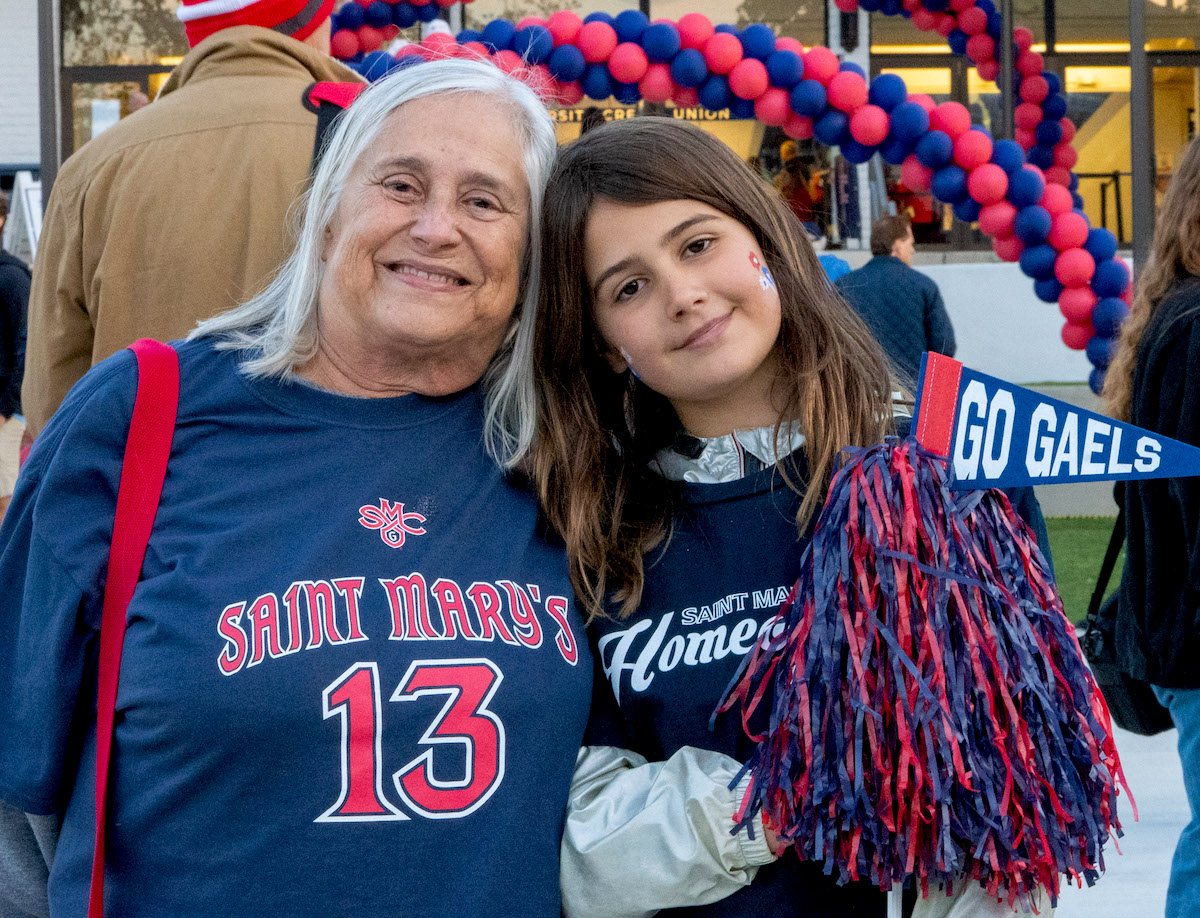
{"x": 1034, "y": 88}
{"x": 924, "y": 20}
{"x": 564, "y": 26}
{"x": 1059, "y": 176}
{"x": 915, "y": 174}
{"x": 748, "y": 79}
{"x": 570, "y": 93}
{"x": 981, "y": 49}
{"x": 997, "y": 219}
{"x": 773, "y": 107}
{"x": 846, "y": 6}
{"x": 521, "y": 24}
{"x": 1066, "y": 156}
{"x": 869, "y": 125}
{"x": 1028, "y": 115}
{"x": 440, "y": 43}
{"x": 694, "y": 30}
{"x": 784, "y": 43}
{"x": 798, "y": 127}
{"x": 475, "y": 50}
{"x": 1009, "y": 248}
{"x": 1076, "y": 304}
{"x": 1029, "y": 63}
{"x": 628, "y": 62}
{"x": 1127, "y": 294}
{"x": 819, "y": 64}
{"x": 369, "y": 39}
{"x": 926, "y": 102}
{"x": 911, "y": 5}
{"x": 683, "y": 97}
{"x": 987, "y": 184}
{"x": 1056, "y": 199}
{"x": 847, "y": 91}
{"x": 951, "y": 117}
{"x": 1069, "y": 230}
{"x": 540, "y": 80}
{"x": 1068, "y": 128}
{"x": 973, "y": 20}
{"x": 1025, "y": 137}
{"x": 508, "y": 61}
{"x": 596, "y": 40}
{"x": 959, "y": 5}
{"x": 657, "y": 85}
{"x": 988, "y": 70}
{"x": 945, "y": 25}
{"x": 722, "y": 51}
{"x": 1022, "y": 38}
{"x": 1074, "y": 268}
{"x": 972, "y": 149}
{"x": 344, "y": 44}
{"x": 1076, "y": 336}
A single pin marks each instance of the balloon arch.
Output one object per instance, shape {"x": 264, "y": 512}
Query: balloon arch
{"x": 1021, "y": 192}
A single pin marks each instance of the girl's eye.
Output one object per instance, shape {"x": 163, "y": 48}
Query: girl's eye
{"x": 627, "y": 290}
{"x": 698, "y": 246}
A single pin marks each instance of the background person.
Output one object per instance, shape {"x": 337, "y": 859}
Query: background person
{"x": 179, "y": 214}
{"x": 1154, "y": 382}
{"x": 902, "y": 307}
{"x": 14, "y": 300}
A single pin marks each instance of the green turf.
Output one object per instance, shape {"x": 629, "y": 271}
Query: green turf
{"x": 1078, "y": 544}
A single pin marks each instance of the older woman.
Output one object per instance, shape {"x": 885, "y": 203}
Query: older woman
{"x": 353, "y": 674}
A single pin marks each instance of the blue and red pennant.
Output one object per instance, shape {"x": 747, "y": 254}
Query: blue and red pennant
{"x": 996, "y": 434}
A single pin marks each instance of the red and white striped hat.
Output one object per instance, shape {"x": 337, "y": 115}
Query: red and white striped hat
{"x": 297, "y": 18}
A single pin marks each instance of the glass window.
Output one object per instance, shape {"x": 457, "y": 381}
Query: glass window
{"x": 897, "y": 35}
{"x": 1098, "y": 106}
{"x": 1103, "y": 25}
{"x": 98, "y": 32}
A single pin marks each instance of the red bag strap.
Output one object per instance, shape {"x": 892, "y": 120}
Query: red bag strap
{"x": 142, "y": 474}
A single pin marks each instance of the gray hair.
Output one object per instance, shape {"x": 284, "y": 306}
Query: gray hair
{"x": 279, "y": 326}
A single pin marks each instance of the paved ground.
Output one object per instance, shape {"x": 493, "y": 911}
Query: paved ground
{"x": 1135, "y": 882}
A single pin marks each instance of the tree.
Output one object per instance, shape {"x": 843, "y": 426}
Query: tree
{"x": 120, "y": 31}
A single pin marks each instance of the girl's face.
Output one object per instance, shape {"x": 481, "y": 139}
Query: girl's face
{"x": 683, "y": 298}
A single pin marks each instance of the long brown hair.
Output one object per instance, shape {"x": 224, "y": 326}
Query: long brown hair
{"x": 1174, "y": 255}
{"x": 598, "y": 431}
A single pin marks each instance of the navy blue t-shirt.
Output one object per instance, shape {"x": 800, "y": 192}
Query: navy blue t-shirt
{"x": 731, "y": 560}
{"x": 354, "y": 679}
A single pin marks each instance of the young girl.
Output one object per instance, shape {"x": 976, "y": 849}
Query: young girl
{"x": 698, "y": 377}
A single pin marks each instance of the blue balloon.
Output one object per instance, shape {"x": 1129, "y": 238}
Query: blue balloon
{"x": 1107, "y": 316}
{"x": 689, "y": 68}
{"x": 351, "y": 16}
{"x": 808, "y": 98}
{"x": 957, "y": 40}
{"x": 1100, "y": 351}
{"x": 1054, "y": 106}
{"x": 949, "y": 184}
{"x": 714, "y": 93}
{"x": 497, "y": 34}
{"x": 377, "y": 64}
{"x": 599, "y": 16}
{"x": 1076, "y": 200}
{"x": 726, "y": 27}
{"x": 851, "y": 67}
{"x": 1073, "y": 184}
{"x": 758, "y": 41}
{"x": 892, "y": 8}
{"x": 1048, "y": 133}
{"x": 630, "y": 25}
{"x": 661, "y": 42}
{"x": 409, "y": 60}
{"x": 1053, "y": 82}
{"x": 1096, "y": 380}
{"x": 995, "y": 28}
{"x": 784, "y": 68}
{"x": 378, "y": 15}
{"x": 887, "y": 91}
{"x": 936, "y": 6}
{"x": 1048, "y": 291}
{"x": 597, "y": 82}
{"x": 1040, "y": 156}
{"x": 935, "y": 149}
{"x": 626, "y": 93}
{"x": 968, "y": 210}
{"x": 1032, "y": 224}
{"x": 895, "y": 151}
{"x": 1025, "y": 187}
{"x": 832, "y": 128}
{"x": 404, "y": 15}
{"x": 856, "y": 152}
{"x": 1111, "y": 278}
{"x": 741, "y": 108}
{"x": 534, "y": 43}
{"x": 871, "y": 6}
{"x": 987, "y": 6}
{"x": 464, "y": 35}
{"x": 566, "y": 63}
{"x": 909, "y": 122}
{"x": 428, "y": 12}
{"x": 1008, "y": 155}
{"x": 1037, "y": 261}
{"x": 1101, "y": 244}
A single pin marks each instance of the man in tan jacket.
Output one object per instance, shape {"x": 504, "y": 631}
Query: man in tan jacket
{"x": 178, "y": 212}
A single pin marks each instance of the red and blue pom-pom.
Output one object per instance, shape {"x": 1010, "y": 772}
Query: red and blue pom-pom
{"x": 931, "y": 715}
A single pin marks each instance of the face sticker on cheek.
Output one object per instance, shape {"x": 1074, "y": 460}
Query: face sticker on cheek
{"x": 765, "y": 280}
{"x": 629, "y": 363}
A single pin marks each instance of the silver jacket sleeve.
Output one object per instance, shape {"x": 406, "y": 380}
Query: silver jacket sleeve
{"x": 646, "y": 836}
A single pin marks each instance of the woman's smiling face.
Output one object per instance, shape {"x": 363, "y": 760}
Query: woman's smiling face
{"x": 682, "y": 297}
